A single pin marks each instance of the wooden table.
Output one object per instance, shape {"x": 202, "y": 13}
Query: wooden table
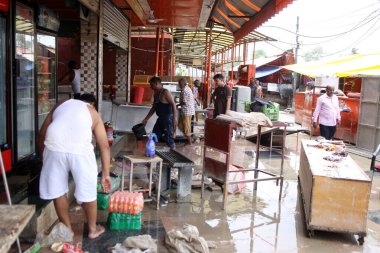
{"x": 138, "y": 159}
{"x": 335, "y": 194}
{"x": 13, "y": 220}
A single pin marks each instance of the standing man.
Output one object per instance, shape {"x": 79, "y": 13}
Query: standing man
{"x": 164, "y": 107}
{"x": 72, "y": 76}
{"x": 327, "y": 110}
{"x": 256, "y": 90}
{"x": 187, "y": 108}
{"x": 65, "y": 144}
{"x": 221, "y": 96}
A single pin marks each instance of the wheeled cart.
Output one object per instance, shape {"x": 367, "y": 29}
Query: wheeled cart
{"x": 335, "y": 195}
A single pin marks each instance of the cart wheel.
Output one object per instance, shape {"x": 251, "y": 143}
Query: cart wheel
{"x": 310, "y": 233}
{"x": 361, "y": 240}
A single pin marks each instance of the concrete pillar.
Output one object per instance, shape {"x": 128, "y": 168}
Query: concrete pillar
{"x": 88, "y": 54}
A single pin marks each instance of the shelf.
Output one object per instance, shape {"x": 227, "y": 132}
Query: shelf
{"x": 43, "y": 113}
{"x": 44, "y": 73}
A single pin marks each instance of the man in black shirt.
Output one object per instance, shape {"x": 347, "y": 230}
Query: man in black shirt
{"x": 221, "y": 96}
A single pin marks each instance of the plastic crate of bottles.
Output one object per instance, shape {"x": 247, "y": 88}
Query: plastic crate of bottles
{"x": 102, "y": 199}
{"x": 123, "y": 221}
{"x": 272, "y": 112}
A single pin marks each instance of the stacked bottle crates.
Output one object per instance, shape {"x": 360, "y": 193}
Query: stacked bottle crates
{"x": 272, "y": 112}
{"x": 125, "y": 210}
{"x": 103, "y": 197}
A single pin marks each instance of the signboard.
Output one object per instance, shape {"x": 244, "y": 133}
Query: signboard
{"x": 47, "y": 19}
{"x": 4, "y": 5}
{"x": 323, "y": 81}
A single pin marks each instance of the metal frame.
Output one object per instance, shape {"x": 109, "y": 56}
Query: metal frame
{"x": 225, "y": 165}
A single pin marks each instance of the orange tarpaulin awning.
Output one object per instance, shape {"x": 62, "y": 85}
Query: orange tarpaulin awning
{"x": 243, "y": 16}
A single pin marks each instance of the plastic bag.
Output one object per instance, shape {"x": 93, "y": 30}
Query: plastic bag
{"x": 59, "y": 233}
{"x": 236, "y": 176}
{"x": 69, "y": 248}
{"x": 126, "y": 202}
{"x": 102, "y": 199}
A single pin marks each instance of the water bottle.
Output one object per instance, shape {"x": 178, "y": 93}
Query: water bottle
{"x": 150, "y": 147}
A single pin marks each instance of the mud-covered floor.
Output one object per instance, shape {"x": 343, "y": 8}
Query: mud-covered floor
{"x": 254, "y": 221}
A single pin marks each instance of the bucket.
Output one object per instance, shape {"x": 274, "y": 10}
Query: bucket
{"x": 139, "y": 131}
{"x": 138, "y": 93}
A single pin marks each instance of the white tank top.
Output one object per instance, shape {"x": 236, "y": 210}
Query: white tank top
{"x": 71, "y": 129}
{"x": 75, "y": 83}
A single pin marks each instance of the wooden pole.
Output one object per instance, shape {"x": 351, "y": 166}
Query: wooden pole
{"x": 244, "y": 53}
{"x": 162, "y": 53}
{"x": 232, "y": 61}
{"x": 209, "y": 67}
{"x": 157, "y": 51}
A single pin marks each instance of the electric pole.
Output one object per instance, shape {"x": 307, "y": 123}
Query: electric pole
{"x": 296, "y": 75}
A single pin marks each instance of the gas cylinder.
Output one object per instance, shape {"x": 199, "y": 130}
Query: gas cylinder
{"x": 109, "y": 131}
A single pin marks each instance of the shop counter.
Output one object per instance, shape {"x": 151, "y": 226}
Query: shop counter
{"x": 335, "y": 194}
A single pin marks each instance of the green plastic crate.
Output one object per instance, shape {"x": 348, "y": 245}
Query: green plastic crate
{"x": 122, "y": 221}
{"x": 116, "y": 181}
{"x": 272, "y": 112}
{"x": 102, "y": 199}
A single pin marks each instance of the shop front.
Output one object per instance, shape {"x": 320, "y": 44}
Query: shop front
{"x": 5, "y": 127}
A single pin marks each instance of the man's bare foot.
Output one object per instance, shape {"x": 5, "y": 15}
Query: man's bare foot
{"x": 97, "y": 232}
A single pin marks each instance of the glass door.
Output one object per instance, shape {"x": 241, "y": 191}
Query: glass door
{"x": 46, "y": 75}
{"x": 24, "y": 81}
{"x": 3, "y": 112}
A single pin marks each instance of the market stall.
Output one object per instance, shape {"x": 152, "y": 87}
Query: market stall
{"x": 335, "y": 190}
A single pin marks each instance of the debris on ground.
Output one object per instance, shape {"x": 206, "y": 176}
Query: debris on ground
{"x": 136, "y": 244}
{"x": 187, "y": 240}
{"x": 59, "y": 233}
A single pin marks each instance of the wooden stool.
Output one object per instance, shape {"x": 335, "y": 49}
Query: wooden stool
{"x": 136, "y": 159}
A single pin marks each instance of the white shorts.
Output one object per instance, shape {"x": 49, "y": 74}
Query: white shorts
{"x": 55, "y": 175}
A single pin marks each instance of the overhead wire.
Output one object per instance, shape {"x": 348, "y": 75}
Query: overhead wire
{"x": 357, "y": 26}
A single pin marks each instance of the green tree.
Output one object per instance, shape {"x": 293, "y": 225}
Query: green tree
{"x": 314, "y": 54}
{"x": 260, "y": 53}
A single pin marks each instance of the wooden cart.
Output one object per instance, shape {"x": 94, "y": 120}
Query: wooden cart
{"x": 335, "y": 195}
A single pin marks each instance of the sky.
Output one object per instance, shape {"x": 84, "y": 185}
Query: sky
{"x": 335, "y": 25}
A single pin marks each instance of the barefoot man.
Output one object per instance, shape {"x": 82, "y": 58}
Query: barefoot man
{"x": 65, "y": 144}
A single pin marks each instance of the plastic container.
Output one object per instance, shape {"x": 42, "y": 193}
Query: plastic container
{"x": 138, "y": 94}
{"x": 272, "y": 112}
{"x": 139, "y": 131}
{"x": 121, "y": 221}
{"x": 150, "y": 147}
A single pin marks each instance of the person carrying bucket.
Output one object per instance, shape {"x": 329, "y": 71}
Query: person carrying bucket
{"x": 165, "y": 109}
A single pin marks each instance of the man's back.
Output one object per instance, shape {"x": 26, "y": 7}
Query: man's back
{"x": 71, "y": 128}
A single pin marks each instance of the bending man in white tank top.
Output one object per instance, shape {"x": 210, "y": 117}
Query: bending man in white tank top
{"x": 64, "y": 142}
{"x": 72, "y": 76}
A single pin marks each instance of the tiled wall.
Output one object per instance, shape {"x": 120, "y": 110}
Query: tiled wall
{"x": 121, "y": 72}
{"x": 88, "y": 55}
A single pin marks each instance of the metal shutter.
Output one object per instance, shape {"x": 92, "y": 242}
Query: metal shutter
{"x": 116, "y": 25}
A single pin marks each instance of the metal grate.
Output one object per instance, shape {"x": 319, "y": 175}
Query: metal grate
{"x": 175, "y": 159}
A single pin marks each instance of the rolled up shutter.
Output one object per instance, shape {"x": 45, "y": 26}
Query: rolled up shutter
{"x": 116, "y": 25}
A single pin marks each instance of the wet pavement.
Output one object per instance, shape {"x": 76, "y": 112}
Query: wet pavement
{"x": 254, "y": 221}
